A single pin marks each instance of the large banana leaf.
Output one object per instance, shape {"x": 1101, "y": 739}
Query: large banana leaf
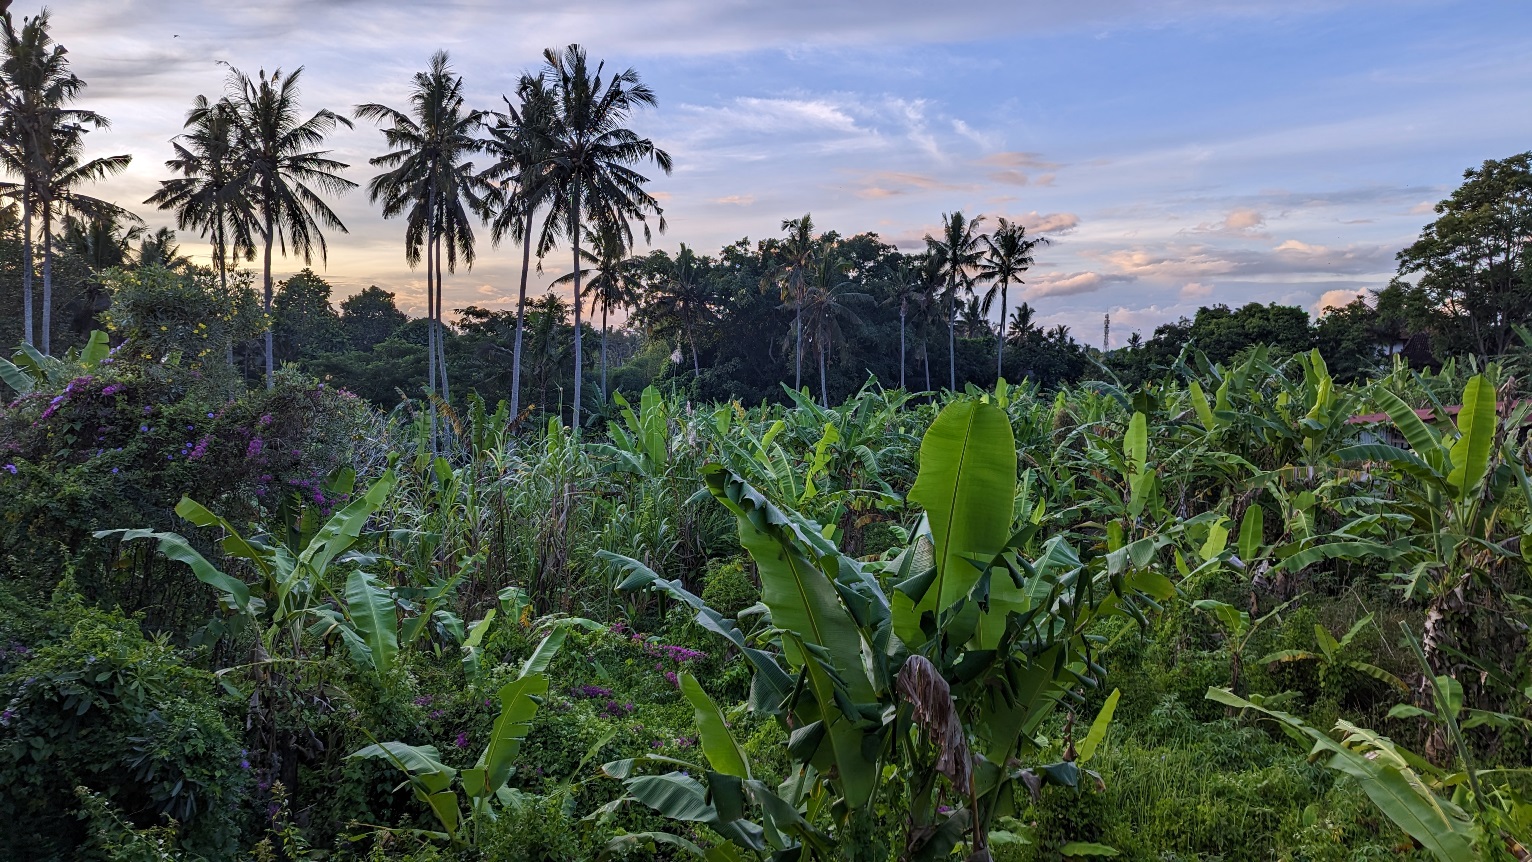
{"x": 967, "y": 485}
{"x": 1440, "y": 826}
{"x": 802, "y": 598}
{"x": 174, "y": 547}
{"x": 371, "y": 610}
{"x": 343, "y": 527}
{"x": 1476, "y": 438}
{"x": 723, "y": 752}
{"x": 518, "y": 704}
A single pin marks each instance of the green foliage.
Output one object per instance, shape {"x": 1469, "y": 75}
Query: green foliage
{"x": 98, "y": 706}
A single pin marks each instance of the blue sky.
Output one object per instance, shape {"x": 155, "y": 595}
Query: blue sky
{"x": 1178, "y": 153}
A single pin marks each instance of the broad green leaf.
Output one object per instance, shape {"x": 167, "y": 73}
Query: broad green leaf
{"x": 545, "y": 652}
{"x": 677, "y": 796}
{"x": 966, "y": 484}
{"x": 1135, "y": 444}
{"x": 96, "y": 349}
{"x": 371, "y": 610}
{"x": 343, "y": 527}
{"x": 1080, "y": 849}
{"x": 1217, "y": 541}
{"x": 232, "y": 543}
{"x": 1086, "y": 749}
{"x": 16, "y": 378}
{"x": 1421, "y": 437}
{"x": 422, "y": 763}
{"x": 1476, "y": 437}
{"x": 1201, "y": 406}
{"x": 518, "y": 705}
{"x": 802, "y": 598}
{"x": 174, "y": 547}
{"x": 1251, "y": 533}
{"x": 723, "y": 752}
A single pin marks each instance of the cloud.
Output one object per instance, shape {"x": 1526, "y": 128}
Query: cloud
{"x": 1197, "y": 261}
{"x": 1009, "y": 178}
{"x": 1018, "y": 160}
{"x": 1332, "y": 299}
{"x": 1048, "y": 223}
{"x": 1196, "y": 290}
{"x": 1069, "y": 284}
{"x": 736, "y": 200}
{"x": 884, "y": 184}
{"x": 1242, "y": 222}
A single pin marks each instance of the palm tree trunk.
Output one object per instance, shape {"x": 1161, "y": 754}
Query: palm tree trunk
{"x": 431, "y": 316}
{"x": 952, "y": 341}
{"x": 26, "y": 269}
{"x": 925, "y": 361}
{"x": 901, "y": 345}
{"x": 1000, "y": 339}
{"x": 266, "y": 299}
{"x": 824, "y": 393}
{"x": 574, "y": 214}
{"x": 47, "y": 322}
{"x": 521, "y": 318}
{"x": 696, "y": 365}
{"x": 223, "y": 278}
{"x": 441, "y": 329}
{"x": 798, "y": 350}
{"x": 603, "y": 352}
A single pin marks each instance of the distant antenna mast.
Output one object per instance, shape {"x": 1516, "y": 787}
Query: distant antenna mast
{"x": 1106, "y": 333}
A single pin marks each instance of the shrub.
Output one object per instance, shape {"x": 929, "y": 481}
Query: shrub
{"x": 104, "y": 708}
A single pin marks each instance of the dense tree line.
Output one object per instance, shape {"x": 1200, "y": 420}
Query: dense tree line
{"x": 558, "y": 166}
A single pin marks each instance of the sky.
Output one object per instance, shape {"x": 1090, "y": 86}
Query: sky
{"x": 1178, "y": 153}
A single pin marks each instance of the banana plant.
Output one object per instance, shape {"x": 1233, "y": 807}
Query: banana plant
{"x": 292, "y": 581}
{"x": 1330, "y": 659}
{"x": 29, "y": 368}
{"x": 926, "y": 677}
{"x": 444, "y": 789}
{"x": 1459, "y": 494}
{"x": 1238, "y": 628}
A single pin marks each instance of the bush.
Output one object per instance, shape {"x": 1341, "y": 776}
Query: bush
{"x": 104, "y": 708}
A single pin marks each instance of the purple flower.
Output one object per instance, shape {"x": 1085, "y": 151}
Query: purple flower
{"x": 265, "y": 419}
{"x": 462, "y": 740}
{"x": 670, "y": 677}
{"x": 244, "y": 764}
{"x": 254, "y": 448}
{"x": 113, "y": 389}
{"x": 437, "y": 713}
{"x": 201, "y": 448}
{"x": 11, "y": 468}
{"x": 114, "y": 469}
{"x": 590, "y": 691}
{"x": 426, "y": 700}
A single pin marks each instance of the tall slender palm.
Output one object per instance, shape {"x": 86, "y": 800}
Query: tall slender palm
{"x": 960, "y": 251}
{"x": 36, "y": 89}
{"x": 681, "y": 297}
{"x": 281, "y": 175}
{"x": 792, "y": 275}
{"x": 205, "y": 163}
{"x": 520, "y": 142}
{"x": 826, "y": 304}
{"x": 1019, "y": 329}
{"x": 592, "y": 157}
{"x": 613, "y": 282}
{"x": 905, "y": 286}
{"x": 59, "y": 196}
{"x": 1007, "y": 256}
{"x": 428, "y": 180}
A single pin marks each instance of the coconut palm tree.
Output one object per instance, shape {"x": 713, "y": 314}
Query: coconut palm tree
{"x": 796, "y": 252}
{"x": 520, "y": 142}
{"x": 1007, "y": 256}
{"x": 59, "y": 196}
{"x": 205, "y": 164}
{"x": 826, "y": 305}
{"x": 680, "y": 297}
{"x": 592, "y": 155}
{"x": 613, "y": 280}
{"x": 1019, "y": 329}
{"x": 428, "y": 179}
{"x": 281, "y": 174}
{"x": 905, "y": 287}
{"x": 37, "y": 128}
{"x": 960, "y": 250}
